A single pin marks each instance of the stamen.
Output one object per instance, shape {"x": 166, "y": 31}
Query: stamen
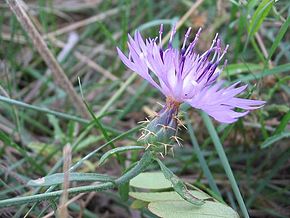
{"x": 224, "y": 52}
{"x": 172, "y": 35}
{"x": 193, "y": 43}
{"x": 217, "y": 51}
{"x": 186, "y": 37}
{"x": 160, "y": 34}
{"x": 214, "y": 41}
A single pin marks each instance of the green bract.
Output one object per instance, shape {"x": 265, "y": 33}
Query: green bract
{"x": 159, "y": 134}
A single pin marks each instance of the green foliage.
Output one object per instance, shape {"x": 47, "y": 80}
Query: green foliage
{"x": 171, "y": 204}
{"x": 172, "y": 209}
{"x": 58, "y": 178}
{"x": 179, "y": 186}
{"x": 147, "y": 180}
{"x": 232, "y": 164}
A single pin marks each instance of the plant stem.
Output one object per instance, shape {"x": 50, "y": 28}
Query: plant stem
{"x": 142, "y": 164}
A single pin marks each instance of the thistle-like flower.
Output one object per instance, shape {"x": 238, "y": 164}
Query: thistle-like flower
{"x": 185, "y": 76}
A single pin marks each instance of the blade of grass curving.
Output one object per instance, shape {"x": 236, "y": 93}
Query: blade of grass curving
{"x": 275, "y": 138}
{"x": 44, "y": 110}
{"x": 48, "y": 111}
{"x": 274, "y": 71}
{"x": 279, "y": 37}
{"x": 117, "y": 150}
{"x": 201, "y": 158}
{"x": 225, "y": 163}
{"x": 97, "y": 122}
{"x": 258, "y": 18}
{"x": 283, "y": 123}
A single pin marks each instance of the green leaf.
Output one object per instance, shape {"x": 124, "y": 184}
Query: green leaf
{"x": 275, "y": 138}
{"x": 166, "y": 196}
{"x": 225, "y": 163}
{"x": 58, "y": 178}
{"x": 201, "y": 158}
{"x": 116, "y": 151}
{"x": 234, "y": 69}
{"x": 259, "y": 16}
{"x": 284, "y": 68}
{"x": 58, "y": 133}
{"x": 279, "y": 37}
{"x": 137, "y": 204}
{"x": 179, "y": 186}
{"x": 124, "y": 191}
{"x": 283, "y": 123}
{"x": 151, "y": 180}
{"x": 173, "y": 209}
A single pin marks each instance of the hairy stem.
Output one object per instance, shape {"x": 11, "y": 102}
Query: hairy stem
{"x": 142, "y": 164}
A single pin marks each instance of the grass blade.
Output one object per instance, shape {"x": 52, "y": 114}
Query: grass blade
{"x": 201, "y": 158}
{"x": 225, "y": 163}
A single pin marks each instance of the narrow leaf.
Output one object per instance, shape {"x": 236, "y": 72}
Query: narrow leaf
{"x": 116, "y": 151}
{"x": 279, "y": 37}
{"x": 58, "y": 178}
{"x": 275, "y": 138}
{"x": 259, "y": 16}
{"x": 179, "y": 186}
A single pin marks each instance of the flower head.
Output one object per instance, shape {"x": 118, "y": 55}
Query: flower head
{"x": 185, "y": 76}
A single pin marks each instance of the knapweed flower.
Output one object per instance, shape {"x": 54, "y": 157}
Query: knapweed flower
{"x": 185, "y": 76}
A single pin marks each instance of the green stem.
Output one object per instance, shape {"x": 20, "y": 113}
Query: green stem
{"x": 47, "y": 196}
{"x": 143, "y": 163}
{"x": 225, "y": 163}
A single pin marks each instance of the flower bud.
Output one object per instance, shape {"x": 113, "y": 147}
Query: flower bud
{"x": 158, "y": 134}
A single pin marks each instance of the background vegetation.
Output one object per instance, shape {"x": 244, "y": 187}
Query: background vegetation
{"x": 37, "y": 119}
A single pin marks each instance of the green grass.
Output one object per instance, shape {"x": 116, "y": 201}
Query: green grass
{"x": 242, "y": 164}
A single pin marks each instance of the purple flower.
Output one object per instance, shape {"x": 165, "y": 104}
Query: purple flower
{"x": 185, "y": 76}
